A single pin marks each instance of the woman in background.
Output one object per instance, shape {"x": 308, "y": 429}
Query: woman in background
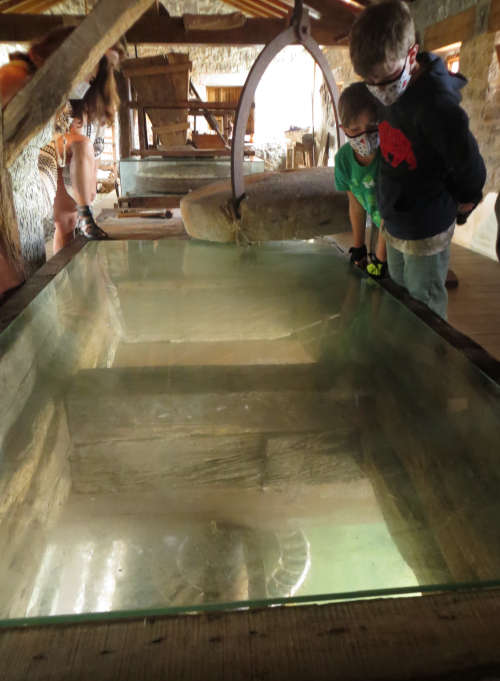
{"x": 36, "y": 192}
{"x": 32, "y": 199}
{"x": 76, "y": 177}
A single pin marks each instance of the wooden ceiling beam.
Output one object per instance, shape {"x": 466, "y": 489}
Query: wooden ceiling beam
{"x": 164, "y": 30}
{"x": 275, "y": 5}
{"x": 334, "y": 11}
{"x": 30, "y": 110}
{"x": 255, "y": 9}
{"x": 7, "y": 4}
{"x": 30, "y": 7}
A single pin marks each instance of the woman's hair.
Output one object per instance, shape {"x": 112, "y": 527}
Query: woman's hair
{"x": 23, "y": 56}
{"x": 355, "y": 100}
{"x": 101, "y": 100}
{"x": 41, "y": 49}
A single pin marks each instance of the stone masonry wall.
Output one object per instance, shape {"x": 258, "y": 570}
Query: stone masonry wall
{"x": 481, "y": 100}
{"x": 428, "y": 12}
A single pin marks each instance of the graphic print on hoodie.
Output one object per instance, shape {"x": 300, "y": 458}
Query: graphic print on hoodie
{"x": 430, "y": 159}
{"x": 396, "y": 147}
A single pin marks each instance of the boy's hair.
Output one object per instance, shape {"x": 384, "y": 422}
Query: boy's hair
{"x": 383, "y": 32}
{"x": 354, "y": 100}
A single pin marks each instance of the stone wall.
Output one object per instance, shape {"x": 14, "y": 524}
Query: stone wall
{"x": 481, "y": 101}
{"x": 340, "y": 63}
{"x": 428, "y": 12}
{"x": 206, "y": 60}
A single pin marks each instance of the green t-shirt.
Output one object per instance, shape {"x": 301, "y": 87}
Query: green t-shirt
{"x": 360, "y": 180}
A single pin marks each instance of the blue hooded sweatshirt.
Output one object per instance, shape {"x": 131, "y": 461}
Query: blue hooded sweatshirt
{"x": 430, "y": 159}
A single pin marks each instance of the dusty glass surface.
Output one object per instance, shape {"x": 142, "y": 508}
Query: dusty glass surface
{"x": 187, "y": 425}
{"x": 157, "y": 175}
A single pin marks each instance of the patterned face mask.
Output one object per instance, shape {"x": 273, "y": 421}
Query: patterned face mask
{"x": 390, "y": 91}
{"x": 366, "y": 143}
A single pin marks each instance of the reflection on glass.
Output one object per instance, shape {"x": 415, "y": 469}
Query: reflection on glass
{"x": 186, "y": 425}
{"x": 158, "y": 175}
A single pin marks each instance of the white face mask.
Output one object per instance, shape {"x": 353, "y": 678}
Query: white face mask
{"x": 365, "y": 144}
{"x": 388, "y": 93}
{"x": 79, "y": 91}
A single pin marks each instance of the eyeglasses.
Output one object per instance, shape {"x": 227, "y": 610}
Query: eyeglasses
{"x": 391, "y": 80}
{"x": 364, "y": 132}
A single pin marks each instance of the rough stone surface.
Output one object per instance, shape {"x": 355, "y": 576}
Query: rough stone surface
{"x": 273, "y": 154}
{"x": 339, "y": 61}
{"x": 481, "y": 99}
{"x": 285, "y": 205}
{"x": 426, "y": 13}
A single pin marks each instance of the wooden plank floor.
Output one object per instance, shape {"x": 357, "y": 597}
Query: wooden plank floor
{"x": 473, "y": 307}
{"x": 448, "y": 637}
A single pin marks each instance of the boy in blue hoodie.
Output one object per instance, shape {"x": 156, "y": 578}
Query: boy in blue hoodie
{"x": 431, "y": 172}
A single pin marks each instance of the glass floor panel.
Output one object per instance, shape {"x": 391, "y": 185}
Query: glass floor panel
{"x": 189, "y": 426}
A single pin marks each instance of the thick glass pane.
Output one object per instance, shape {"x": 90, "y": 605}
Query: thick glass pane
{"x": 156, "y": 175}
{"x": 187, "y": 425}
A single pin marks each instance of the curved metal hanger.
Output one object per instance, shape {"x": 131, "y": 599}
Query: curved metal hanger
{"x": 298, "y": 33}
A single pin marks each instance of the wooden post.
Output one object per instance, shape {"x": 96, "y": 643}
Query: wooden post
{"x": 28, "y": 112}
{"x": 143, "y": 133}
{"x": 124, "y": 113}
{"x": 10, "y": 241}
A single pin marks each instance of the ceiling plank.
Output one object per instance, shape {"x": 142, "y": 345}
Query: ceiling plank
{"x": 256, "y": 9}
{"x": 27, "y": 6}
{"x": 164, "y": 30}
{"x": 283, "y": 8}
{"x": 494, "y": 21}
{"x": 36, "y": 7}
{"x": 38, "y": 101}
{"x": 334, "y": 11}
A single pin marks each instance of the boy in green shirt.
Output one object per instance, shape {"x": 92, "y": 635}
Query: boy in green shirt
{"x": 356, "y": 170}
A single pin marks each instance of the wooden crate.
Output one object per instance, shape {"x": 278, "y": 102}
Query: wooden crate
{"x": 161, "y": 80}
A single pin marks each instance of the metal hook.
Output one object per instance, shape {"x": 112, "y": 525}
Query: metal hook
{"x": 298, "y": 32}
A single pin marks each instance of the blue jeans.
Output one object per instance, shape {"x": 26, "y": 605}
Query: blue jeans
{"x": 423, "y": 276}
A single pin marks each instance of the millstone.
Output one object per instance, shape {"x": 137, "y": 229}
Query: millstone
{"x": 298, "y": 204}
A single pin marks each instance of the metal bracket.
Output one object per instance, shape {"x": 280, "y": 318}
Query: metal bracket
{"x": 297, "y": 33}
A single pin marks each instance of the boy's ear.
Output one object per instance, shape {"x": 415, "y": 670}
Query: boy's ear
{"x": 413, "y": 53}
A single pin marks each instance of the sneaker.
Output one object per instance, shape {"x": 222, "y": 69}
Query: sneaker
{"x": 376, "y": 268}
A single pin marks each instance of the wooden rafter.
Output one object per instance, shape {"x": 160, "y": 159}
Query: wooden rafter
{"x": 330, "y": 7}
{"x": 25, "y": 6}
{"x": 39, "y": 100}
{"x": 276, "y": 6}
{"x": 256, "y": 9}
{"x": 334, "y": 11}
{"x": 171, "y": 31}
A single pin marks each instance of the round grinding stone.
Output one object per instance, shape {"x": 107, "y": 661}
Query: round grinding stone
{"x": 293, "y": 204}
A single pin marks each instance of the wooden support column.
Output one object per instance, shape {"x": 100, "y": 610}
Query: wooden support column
{"x": 124, "y": 114}
{"x": 31, "y": 108}
{"x": 9, "y": 231}
{"x": 494, "y": 19}
{"x": 143, "y": 138}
